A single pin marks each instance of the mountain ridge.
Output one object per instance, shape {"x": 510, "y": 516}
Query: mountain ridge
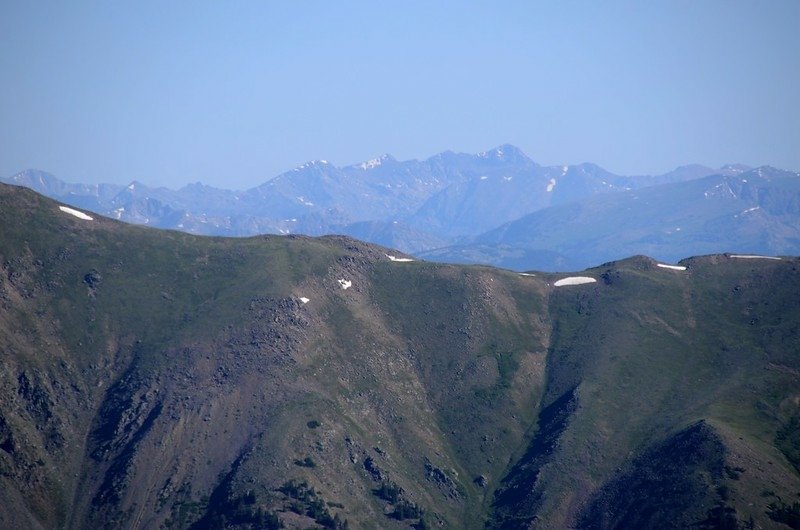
{"x": 441, "y": 198}
{"x": 155, "y": 378}
{"x": 443, "y": 207}
{"x": 751, "y": 212}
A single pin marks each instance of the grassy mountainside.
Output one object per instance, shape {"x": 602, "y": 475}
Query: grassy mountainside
{"x": 156, "y": 379}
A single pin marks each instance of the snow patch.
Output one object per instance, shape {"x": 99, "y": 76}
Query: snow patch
{"x": 673, "y": 267}
{"x": 346, "y": 284}
{"x": 720, "y": 190}
{"x": 551, "y": 184}
{"x": 76, "y": 213}
{"x": 311, "y": 164}
{"x": 370, "y": 164}
{"x": 564, "y": 170}
{"x": 399, "y": 260}
{"x": 304, "y": 201}
{"x": 484, "y": 177}
{"x": 754, "y": 208}
{"x": 304, "y": 299}
{"x": 574, "y": 280}
{"x": 753, "y": 256}
{"x": 507, "y": 178}
{"x": 525, "y": 274}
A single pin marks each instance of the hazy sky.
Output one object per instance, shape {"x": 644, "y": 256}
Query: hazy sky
{"x": 233, "y": 93}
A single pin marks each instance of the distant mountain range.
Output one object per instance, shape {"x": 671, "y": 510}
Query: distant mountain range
{"x": 757, "y": 211}
{"x": 497, "y": 207}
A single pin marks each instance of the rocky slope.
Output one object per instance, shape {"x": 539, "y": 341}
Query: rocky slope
{"x": 158, "y": 379}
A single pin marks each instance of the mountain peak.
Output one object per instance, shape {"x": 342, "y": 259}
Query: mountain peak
{"x": 376, "y": 162}
{"x": 507, "y": 153}
{"x": 34, "y": 178}
{"x": 313, "y": 164}
{"x": 504, "y": 152}
{"x": 734, "y": 169}
{"x": 137, "y": 185}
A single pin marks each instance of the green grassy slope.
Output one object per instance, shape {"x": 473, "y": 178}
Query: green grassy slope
{"x": 155, "y": 379}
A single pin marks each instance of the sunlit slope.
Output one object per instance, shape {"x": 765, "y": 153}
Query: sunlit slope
{"x": 154, "y": 378}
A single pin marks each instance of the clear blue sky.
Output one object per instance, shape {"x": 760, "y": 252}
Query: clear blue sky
{"x": 233, "y": 93}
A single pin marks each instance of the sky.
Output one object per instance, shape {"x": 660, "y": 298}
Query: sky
{"x": 233, "y": 93}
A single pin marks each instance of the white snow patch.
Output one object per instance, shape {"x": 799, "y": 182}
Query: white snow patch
{"x": 754, "y": 208}
{"x": 304, "y": 201}
{"x": 399, "y": 260}
{"x": 484, "y": 177}
{"x": 76, "y": 213}
{"x": 304, "y": 299}
{"x": 311, "y": 164}
{"x": 131, "y": 187}
{"x": 574, "y": 280}
{"x": 346, "y": 284}
{"x": 525, "y": 274}
{"x": 673, "y": 267}
{"x": 507, "y": 178}
{"x": 370, "y": 164}
{"x": 753, "y": 256}
{"x": 564, "y": 170}
{"x": 551, "y": 184}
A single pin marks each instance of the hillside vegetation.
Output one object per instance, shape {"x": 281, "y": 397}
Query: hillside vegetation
{"x": 156, "y": 379}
